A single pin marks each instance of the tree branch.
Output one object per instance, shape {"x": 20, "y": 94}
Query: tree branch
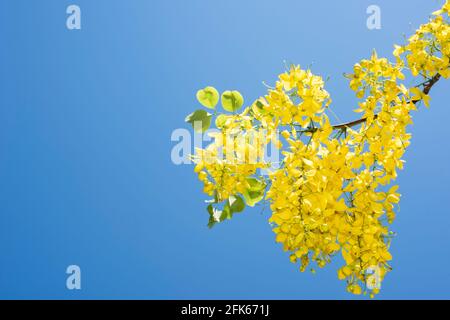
{"x": 426, "y": 89}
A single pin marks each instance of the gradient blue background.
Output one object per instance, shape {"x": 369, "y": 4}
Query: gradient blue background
{"x": 85, "y": 123}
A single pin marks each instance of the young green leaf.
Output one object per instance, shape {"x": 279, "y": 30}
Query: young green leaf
{"x": 219, "y": 215}
{"x": 254, "y": 192}
{"x": 214, "y": 215}
{"x": 236, "y": 204}
{"x": 255, "y": 184}
{"x": 232, "y": 100}
{"x": 200, "y": 120}
{"x": 253, "y": 197}
{"x": 226, "y": 212}
{"x": 208, "y": 97}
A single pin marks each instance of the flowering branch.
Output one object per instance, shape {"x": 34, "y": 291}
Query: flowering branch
{"x": 426, "y": 89}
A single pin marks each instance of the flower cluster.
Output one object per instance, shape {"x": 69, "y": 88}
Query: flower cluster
{"x": 298, "y": 97}
{"x": 428, "y": 50}
{"x": 334, "y": 191}
{"x": 236, "y": 153}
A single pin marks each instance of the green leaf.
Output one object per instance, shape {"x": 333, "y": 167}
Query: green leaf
{"x": 258, "y": 106}
{"x": 212, "y": 221}
{"x": 226, "y": 212}
{"x": 200, "y": 120}
{"x": 232, "y": 100}
{"x": 255, "y": 184}
{"x": 208, "y": 97}
{"x": 232, "y": 205}
{"x": 253, "y": 197}
{"x": 236, "y": 204}
{"x": 254, "y": 192}
{"x": 210, "y": 209}
{"x": 216, "y": 215}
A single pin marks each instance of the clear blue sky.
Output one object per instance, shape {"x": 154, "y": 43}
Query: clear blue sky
{"x": 85, "y": 171}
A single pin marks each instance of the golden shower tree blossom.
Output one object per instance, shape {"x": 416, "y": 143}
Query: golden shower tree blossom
{"x": 334, "y": 190}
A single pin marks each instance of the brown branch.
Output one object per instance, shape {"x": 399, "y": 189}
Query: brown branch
{"x": 426, "y": 89}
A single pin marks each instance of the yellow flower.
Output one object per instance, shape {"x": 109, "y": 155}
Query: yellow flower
{"x": 328, "y": 194}
{"x": 419, "y": 95}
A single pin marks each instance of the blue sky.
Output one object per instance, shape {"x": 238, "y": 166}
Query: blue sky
{"x": 85, "y": 123}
